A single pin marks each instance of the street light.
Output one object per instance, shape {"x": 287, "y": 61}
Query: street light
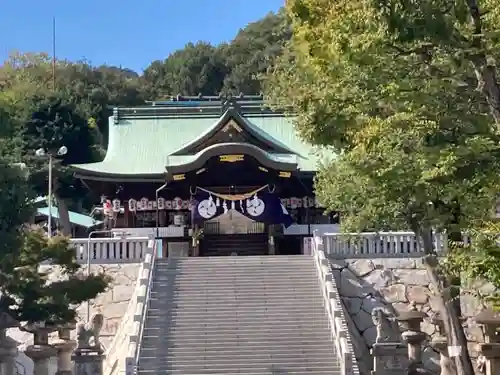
{"x": 41, "y": 152}
{"x": 157, "y": 210}
{"x": 122, "y": 234}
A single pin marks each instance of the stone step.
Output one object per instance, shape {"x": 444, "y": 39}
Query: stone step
{"x": 213, "y": 316}
{"x": 262, "y": 259}
{"x": 203, "y": 293}
{"x": 241, "y": 319}
{"x": 241, "y": 362}
{"x": 204, "y": 298}
{"x": 269, "y": 368}
{"x": 221, "y": 327}
{"x": 215, "y": 276}
{"x": 266, "y": 334}
{"x": 167, "y": 291}
{"x": 257, "y": 304}
{"x": 237, "y": 273}
{"x": 263, "y": 372}
{"x": 227, "y": 350}
{"x": 235, "y": 342}
{"x": 231, "y": 301}
{"x": 237, "y": 283}
{"x": 255, "y": 311}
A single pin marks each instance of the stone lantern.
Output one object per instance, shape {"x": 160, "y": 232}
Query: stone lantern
{"x": 40, "y": 352}
{"x": 410, "y": 323}
{"x": 8, "y": 347}
{"x": 64, "y": 346}
{"x": 489, "y": 359}
{"x": 440, "y": 344}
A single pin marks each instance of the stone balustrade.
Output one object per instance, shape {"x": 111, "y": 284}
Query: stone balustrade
{"x": 376, "y": 244}
{"x": 110, "y": 250}
{"x": 337, "y": 320}
{"x": 132, "y": 349}
{"x": 127, "y": 332}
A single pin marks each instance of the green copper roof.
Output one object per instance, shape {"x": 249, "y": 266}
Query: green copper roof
{"x": 143, "y": 146}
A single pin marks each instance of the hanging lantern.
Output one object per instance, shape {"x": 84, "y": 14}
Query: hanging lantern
{"x": 168, "y": 205}
{"x": 299, "y": 202}
{"x": 116, "y": 205}
{"x": 143, "y": 204}
{"x": 217, "y": 202}
{"x": 177, "y": 203}
{"x": 151, "y": 206}
{"x": 310, "y": 201}
{"x": 132, "y": 205}
{"x": 161, "y": 203}
{"x": 293, "y": 203}
{"x": 107, "y": 208}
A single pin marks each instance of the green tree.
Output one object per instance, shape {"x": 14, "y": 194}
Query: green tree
{"x": 53, "y": 125}
{"x": 27, "y": 294}
{"x": 26, "y": 84}
{"x": 253, "y": 50}
{"x": 405, "y": 94}
{"x": 198, "y": 68}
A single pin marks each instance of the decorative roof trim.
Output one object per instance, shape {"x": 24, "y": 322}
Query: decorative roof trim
{"x": 231, "y": 148}
{"x": 232, "y": 115}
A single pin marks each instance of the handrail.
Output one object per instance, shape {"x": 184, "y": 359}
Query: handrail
{"x": 133, "y": 350}
{"x": 113, "y": 354}
{"x": 338, "y": 323}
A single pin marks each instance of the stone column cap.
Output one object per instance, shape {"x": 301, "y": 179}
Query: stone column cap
{"x": 488, "y": 317}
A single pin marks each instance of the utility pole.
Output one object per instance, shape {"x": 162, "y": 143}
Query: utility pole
{"x": 54, "y": 54}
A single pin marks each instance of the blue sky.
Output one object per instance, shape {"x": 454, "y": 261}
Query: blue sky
{"x": 112, "y": 32}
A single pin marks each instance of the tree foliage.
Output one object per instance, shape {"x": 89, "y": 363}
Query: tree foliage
{"x": 230, "y": 68}
{"x": 405, "y": 93}
{"x": 27, "y": 294}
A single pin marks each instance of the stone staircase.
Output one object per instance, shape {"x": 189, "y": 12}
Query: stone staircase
{"x": 241, "y": 244}
{"x": 236, "y": 315}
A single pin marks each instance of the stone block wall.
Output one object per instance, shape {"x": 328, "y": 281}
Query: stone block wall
{"x": 112, "y": 304}
{"x": 388, "y": 283}
{"x": 391, "y": 284}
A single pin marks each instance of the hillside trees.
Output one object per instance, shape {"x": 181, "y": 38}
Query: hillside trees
{"x": 230, "y": 68}
{"x": 405, "y": 94}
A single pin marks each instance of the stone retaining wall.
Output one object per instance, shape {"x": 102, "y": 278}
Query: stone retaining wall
{"x": 392, "y": 283}
{"x": 112, "y": 304}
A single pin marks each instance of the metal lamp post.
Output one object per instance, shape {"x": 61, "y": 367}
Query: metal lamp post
{"x": 157, "y": 211}
{"x": 122, "y": 234}
{"x": 63, "y": 150}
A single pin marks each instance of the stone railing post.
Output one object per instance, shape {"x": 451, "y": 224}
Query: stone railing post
{"x": 440, "y": 344}
{"x": 410, "y": 321}
{"x": 489, "y": 351}
{"x": 64, "y": 346}
{"x": 40, "y": 352}
{"x": 389, "y": 352}
{"x": 8, "y": 347}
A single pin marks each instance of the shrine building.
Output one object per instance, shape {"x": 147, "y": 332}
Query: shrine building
{"x": 209, "y": 176}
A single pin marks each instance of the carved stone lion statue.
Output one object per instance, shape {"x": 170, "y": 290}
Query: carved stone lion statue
{"x": 88, "y": 333}
{"x": 387, "y": 327}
